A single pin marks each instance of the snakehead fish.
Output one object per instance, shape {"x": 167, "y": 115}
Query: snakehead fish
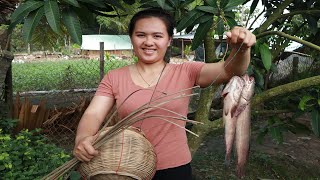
{"x": 231, "y": 94}
{"x": 243, "y": 114}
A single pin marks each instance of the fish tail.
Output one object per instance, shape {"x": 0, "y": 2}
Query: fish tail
{"x": 227, "y": 160}
{"x": 240, "y": 171}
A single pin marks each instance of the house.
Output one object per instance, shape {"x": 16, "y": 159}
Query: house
{"x": 182, "y": 41}
{"x": 119, "y": 45}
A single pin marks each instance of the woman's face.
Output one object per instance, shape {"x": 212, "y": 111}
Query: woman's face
{"x": 150, "y": 39}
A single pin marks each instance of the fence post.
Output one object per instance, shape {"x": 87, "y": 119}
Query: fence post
{"x": 101, "y": 60}
{"x": 295, "y": 70}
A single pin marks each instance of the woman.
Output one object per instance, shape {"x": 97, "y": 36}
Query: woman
{"x": 151, "y": 32}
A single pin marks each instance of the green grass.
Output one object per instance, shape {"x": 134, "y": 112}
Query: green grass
{"x": 58, "y": 75}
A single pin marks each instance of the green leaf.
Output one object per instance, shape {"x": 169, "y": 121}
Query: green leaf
{"x": 224, "y": 3}
{"x": 212, "y": 3}
{"x": 116, "y": 3}
{"x": 174, "y": 3}
{"x": 208, "y": 9}
{"x": 186, "y": 3}
{"x": 233, "y": 4}
{"x": 204, "y": 18}
{"x": 315, "y": 122}
{"x": 24, "y": 9}
{"x": 253, "y": 6}
{"x": 72, "y": 23}
{"x": 265, "y": 56}
{"x": 72, "y": 2}
{"x": 189, "y": 19}
{"x": 2, "y": 167}
{"x": 230, "y": 14}
{"x": 97, "y": 3}
{"x": 167, "y": 7}
{"x": 276, "y": 134}
{"x": 85, "y": 15}
{"x": 31, "y": 22}
{"x": 231, "y": 22}
{"x": 51, "y": 10}
{"x": 161, "y": 3}
{"x": 201, "y": 33}
{"x": 200, "y": 20}
{"x": 257, "y": 47}
{"x": 304, "y": 102}
{"x": 261, "y": 135}
{"x": 313, "y": 24}
{"x": 258, "y": 76}
{"x": 220, "y": 27}
{"x": 74, "y": 175}
{"x": 189, "y": 29}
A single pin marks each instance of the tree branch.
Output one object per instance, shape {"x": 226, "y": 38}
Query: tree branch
{"x": 278, "y": 12}
{"x": 314, "y": 11}
{"x": 285, "y": 89}
{"x": 309, "y": 44}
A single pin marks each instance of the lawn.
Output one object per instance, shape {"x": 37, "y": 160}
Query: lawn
{"x": 59, "y": 74}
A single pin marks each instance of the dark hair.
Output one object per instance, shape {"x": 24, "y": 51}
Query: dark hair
{"x": 153, "y": 12}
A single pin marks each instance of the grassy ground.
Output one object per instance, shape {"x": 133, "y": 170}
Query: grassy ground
{"x": 59, "y": 74}
{"x": 297, "y": 158}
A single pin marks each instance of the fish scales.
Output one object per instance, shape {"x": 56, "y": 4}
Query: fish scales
{"x": 237, "y": 119}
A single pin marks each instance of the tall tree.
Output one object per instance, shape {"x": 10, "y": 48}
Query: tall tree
{"x": 6, "y": 8}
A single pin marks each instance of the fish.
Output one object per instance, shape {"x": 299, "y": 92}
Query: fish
{"x": 243, "y": 124}
{"x": 231, "y": 96}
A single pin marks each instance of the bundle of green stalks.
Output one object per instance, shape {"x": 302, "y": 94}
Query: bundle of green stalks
{"x": 137, "y": 115}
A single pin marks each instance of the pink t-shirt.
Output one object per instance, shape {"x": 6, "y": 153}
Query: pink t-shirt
{"x": 170, "y": 142}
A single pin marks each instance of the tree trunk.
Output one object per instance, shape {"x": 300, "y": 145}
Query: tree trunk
{"x": 5, "y": 84}
{"x": 205, "y": 101}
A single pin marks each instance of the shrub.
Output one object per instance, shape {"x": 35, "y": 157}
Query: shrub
{"x": 7, "y": 125}
{"x": 28, "y": 155}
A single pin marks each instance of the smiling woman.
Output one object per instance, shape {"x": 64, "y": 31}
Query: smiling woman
{"x": 133, "y": 86}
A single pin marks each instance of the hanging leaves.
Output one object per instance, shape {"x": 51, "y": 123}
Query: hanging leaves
{"x": 265, "y": 56}
{"x": 233, "y": 4}
{"x": 31, "y": 22}
{"x": 191, "y": 17}
{"x": 24, "y": 9}
{"x": 201, "y": 33}
{"x": 72, "y": 23}
{"x": 72, "y": 2}
{"x": 52, "y": 13}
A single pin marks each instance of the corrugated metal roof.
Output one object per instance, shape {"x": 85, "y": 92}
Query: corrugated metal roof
{"x": 111, "y": 42}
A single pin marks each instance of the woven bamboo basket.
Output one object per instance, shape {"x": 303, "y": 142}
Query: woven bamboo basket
{"x": 126, "y": 156}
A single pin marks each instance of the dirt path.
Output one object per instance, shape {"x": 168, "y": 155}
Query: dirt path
{"x": 298, "y": 157}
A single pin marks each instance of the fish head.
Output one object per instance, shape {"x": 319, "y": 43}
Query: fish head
{"x": 233, "y": 88}
{"x": 248, "y": 89}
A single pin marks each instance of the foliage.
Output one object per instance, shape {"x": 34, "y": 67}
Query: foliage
{"x": 119, "y": 24}
{"x": 57, "y": 75}
{"x": 187, "y": 50}
{"x": 17, "y": 42}
{"x": 28, "y": 155}
{"x": 67, "y": 13}
{"x": 7, "y": 125}
{"x": 310, "y": 102}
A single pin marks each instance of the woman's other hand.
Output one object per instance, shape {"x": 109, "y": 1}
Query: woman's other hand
{"x": 83, "y": 150}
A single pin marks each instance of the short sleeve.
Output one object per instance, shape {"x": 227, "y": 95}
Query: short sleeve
{"x": 105, "y": 86}
{"x": 193, "y": 69}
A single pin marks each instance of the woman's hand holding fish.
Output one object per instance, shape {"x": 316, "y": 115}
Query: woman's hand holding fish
{"x": 240, "y": 37}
